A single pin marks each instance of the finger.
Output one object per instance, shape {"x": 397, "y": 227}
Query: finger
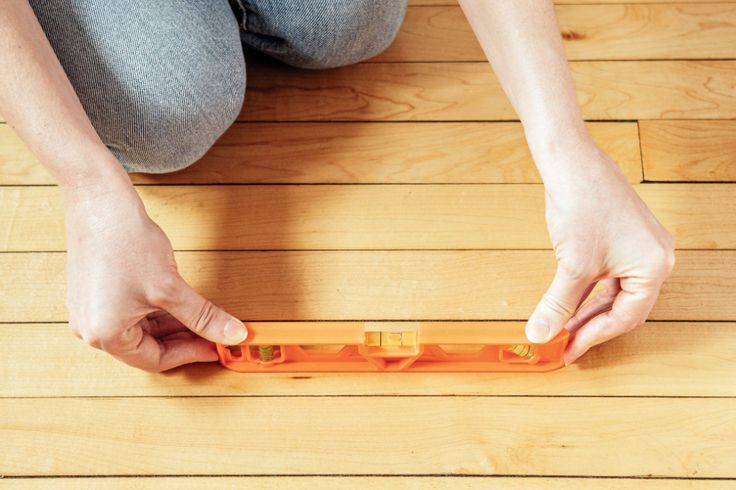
{"x": 161, "y": 323}
{"x": 201, "y": 316}
{"x": 188, "y": 334}
{"x": 139, "y": 349}
{"x": 629, "y": 310}
{"x": 179, "y": 352}
{"x": 587, "y": 292}
{"x": 557, "y": 306}
{"x": 599, "y": 304}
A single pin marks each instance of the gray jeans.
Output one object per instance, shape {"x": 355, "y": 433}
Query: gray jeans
{"x": 162, "y": 80}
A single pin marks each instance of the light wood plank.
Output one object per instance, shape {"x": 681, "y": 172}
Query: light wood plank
{"x": 657, "y": 359}
{"x": 679, "y": 206}
{"x": 374, "y": 285}
{"x": 378, "y": 435}
{"x": 590, "y": 32}
{"x": 607, "y": 90}
{"x": 17, "y": 164}
{"x": 336, "y": 482}
{"x": 468, "y": 91}
{"x": 285, "y": 217}
{"x": 689, "y": 150}
{"x": 356, "y": 153}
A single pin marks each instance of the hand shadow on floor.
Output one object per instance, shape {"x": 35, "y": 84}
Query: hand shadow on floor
{"x": 231, "y": 218}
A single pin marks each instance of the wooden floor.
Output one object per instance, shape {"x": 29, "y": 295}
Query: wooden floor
{"x": 401, "y": 189}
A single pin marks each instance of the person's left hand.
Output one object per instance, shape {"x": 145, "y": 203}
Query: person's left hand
{"x": 601, "y": 231}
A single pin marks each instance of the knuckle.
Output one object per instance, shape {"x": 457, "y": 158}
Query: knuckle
{"x": 663, "y": 260}
{"x": 626, "y": 322}
{"x": 575, "y": 270}
{"x": 94, "y": 331}
{"x": 76, "y": 330}
{"x": 131, "y": 336}
{"x": 94, "y": 335}
{"x": 670, "y": 260}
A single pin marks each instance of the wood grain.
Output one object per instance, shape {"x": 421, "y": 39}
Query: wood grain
{"x": 17, "y": 164}
{"x": 333, "y": 482}
{"x": 659, "y": 401}
{"x": 590, "y": 32}
{"x": 476, "y": 152}
{"x": 694, "y": 151}
{"x": 376, "y": 435}
{"x": 374, "y": 285}
{"x": 657, "y": 359}
{"x": 607, "y": 90}
{"x": 464, "y": 91}
{"x": 289, "y": 217}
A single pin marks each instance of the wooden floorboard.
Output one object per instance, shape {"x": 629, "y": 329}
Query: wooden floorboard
{"x": 402, "y": 189}
{"x": 658, "y": 359}
{"x": 693, "y": 151}
{"x": 468, "y": 91}
{"x": 356, "y": 153}
{"x": 344, "y": 217}
{"x": 590, "y": 32}
{"x": 357, "y": 435}
{"x": 607, "y": 90}
{"x": 332, "y": 482}
{"x": 375, "y": 285}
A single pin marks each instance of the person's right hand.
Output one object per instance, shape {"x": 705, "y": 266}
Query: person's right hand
{"x": 603, "y": 232}
{"x": 125, "y": 295}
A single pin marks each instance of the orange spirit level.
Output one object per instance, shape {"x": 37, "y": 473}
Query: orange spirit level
{"x": 390, "y": 346}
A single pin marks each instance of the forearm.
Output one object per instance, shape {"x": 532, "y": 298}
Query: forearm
{"x": 37, "y": 99}
{"x": 521, "y": 39}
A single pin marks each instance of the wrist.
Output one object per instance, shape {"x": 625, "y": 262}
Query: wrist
{"x": 99, "y": 202}
{"x": 571, "y": 160}
{"x": 549, "y": 141}
{"x": 94, "y": 176}
{"x": 82, "y": 164}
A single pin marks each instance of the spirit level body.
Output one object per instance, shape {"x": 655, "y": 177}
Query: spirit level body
{"x": 442, "y": 346}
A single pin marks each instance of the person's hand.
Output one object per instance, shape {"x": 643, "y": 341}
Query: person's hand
{"x": 601, "y": 231}
{"x": 125, "y": 295}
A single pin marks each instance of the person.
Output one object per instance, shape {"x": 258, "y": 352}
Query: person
{"x": 96, "y": 89}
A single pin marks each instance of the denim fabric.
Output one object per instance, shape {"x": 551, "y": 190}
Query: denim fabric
{"x": 321, "y": 34}
{"x": 161, "y": 81}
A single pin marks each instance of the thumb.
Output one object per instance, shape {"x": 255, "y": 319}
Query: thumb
{"x": 558, "y": 305}
{"x": 202, "y": 317}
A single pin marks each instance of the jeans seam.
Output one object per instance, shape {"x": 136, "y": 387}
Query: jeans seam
{"x": 241, "y": 13}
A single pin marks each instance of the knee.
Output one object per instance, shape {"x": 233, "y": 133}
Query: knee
{"x": 166, "y": 132}
{"x": 342, "y": 33}
{"x": 159, "y": 84}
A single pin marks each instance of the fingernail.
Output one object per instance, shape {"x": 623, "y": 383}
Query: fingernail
{"x": 235, "y": 331}
{"x": 537, "y": 331}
